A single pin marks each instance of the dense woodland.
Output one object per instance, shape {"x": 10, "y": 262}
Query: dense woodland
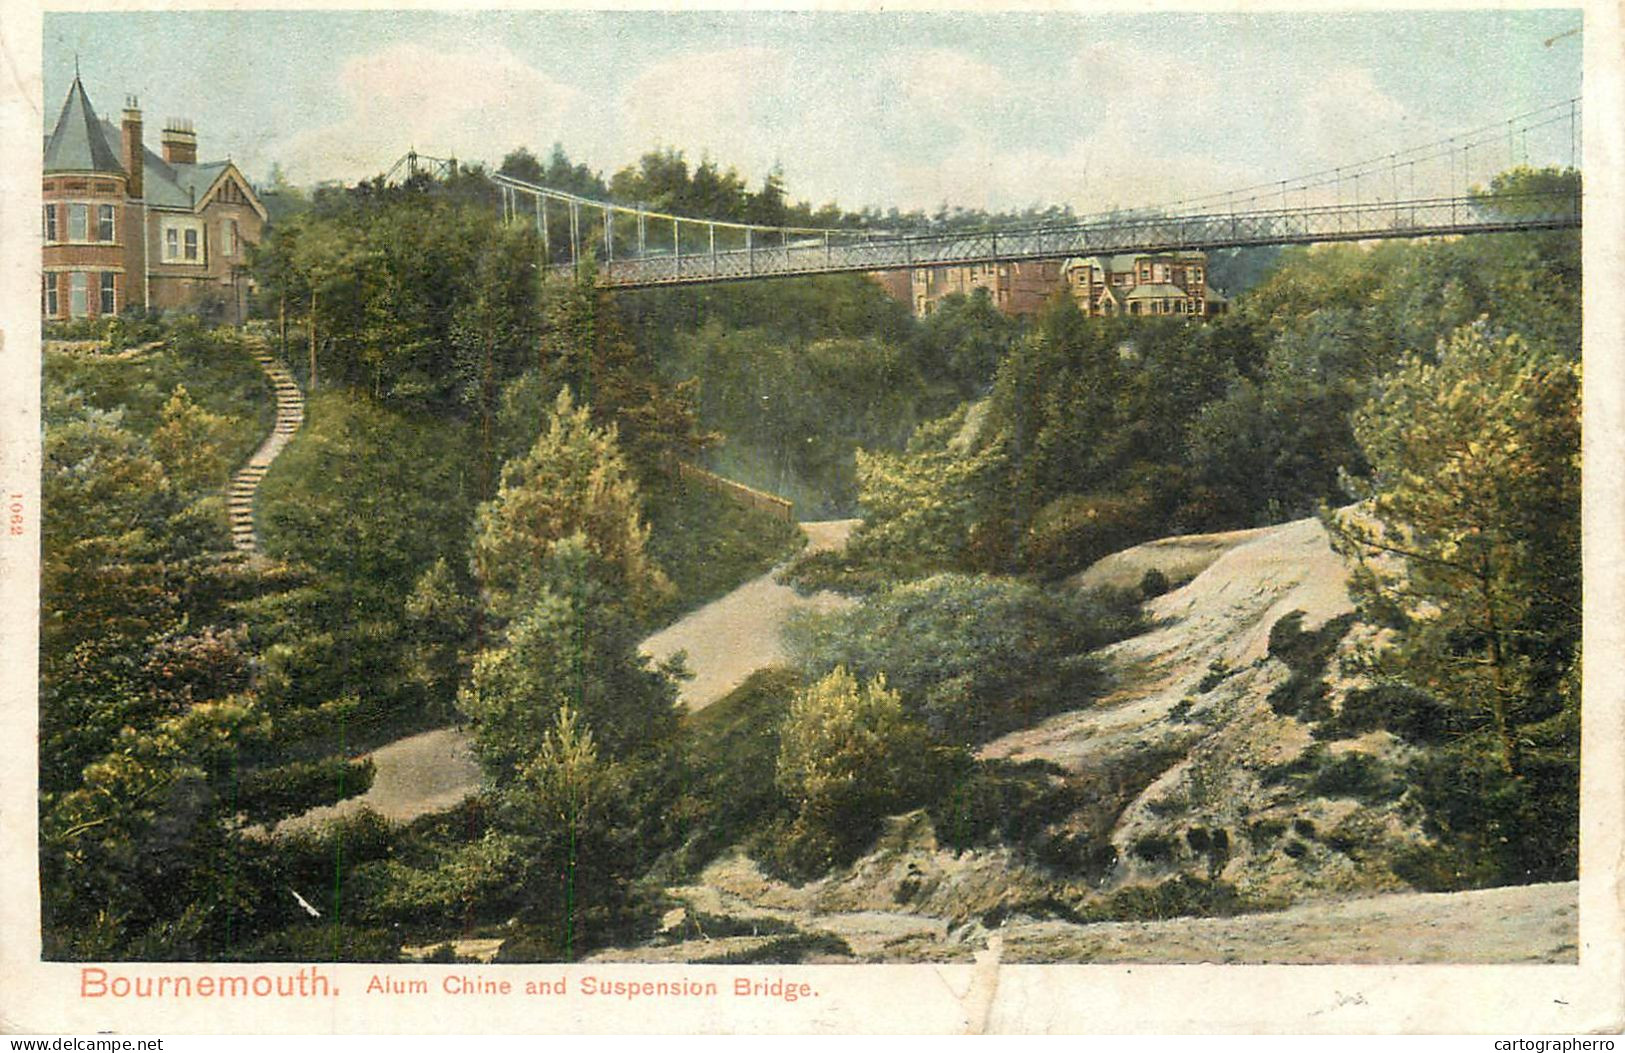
{"x": 482, "y": 517}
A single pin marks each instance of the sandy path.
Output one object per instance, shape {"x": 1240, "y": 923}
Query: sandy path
{"x": 730, "y": 638}
{"x": 414, "y": 776}
{"x": 726, "y": 640}
{"x": 1523, "y": 923}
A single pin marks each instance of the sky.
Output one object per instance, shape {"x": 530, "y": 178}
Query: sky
{"x": 869, "y": 110}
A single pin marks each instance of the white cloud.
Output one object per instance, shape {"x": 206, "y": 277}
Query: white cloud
{"x": 474, "y": 103}
{"x": 943, "y": 83}
{"x": 724, "y": 103}
{"x": 1346, "y": 116}
{"x": 1121, "y": 125}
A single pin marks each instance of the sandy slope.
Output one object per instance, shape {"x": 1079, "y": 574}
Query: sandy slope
{"x": 413, "y": 776}
{"x": 726, "y": 640}
{"x": 1528, "y": 923}
{"x": 1524, "y": 923}
{"x": 730, "y": 638}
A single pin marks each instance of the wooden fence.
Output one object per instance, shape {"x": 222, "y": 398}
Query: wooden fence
{"x": 739, "y": 493}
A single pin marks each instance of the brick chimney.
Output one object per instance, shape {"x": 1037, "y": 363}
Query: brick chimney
{"x": 180, "y": 142}
{"x": 132, "y": 146}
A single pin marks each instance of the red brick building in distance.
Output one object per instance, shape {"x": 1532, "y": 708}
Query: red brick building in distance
{"x": 1132, "y": 284}
{"x": 1014, "y": 288}
{"x": 130, "y": 228}
{"x": 1164, "y": 283}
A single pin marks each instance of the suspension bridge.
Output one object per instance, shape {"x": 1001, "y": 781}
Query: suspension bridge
{"x": 1424, "y": 191}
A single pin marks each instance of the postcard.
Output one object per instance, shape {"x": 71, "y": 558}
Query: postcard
{"x": 1029, "y": 519}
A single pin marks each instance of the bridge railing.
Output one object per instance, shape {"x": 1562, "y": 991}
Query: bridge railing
{"x": 1119, "y": 234}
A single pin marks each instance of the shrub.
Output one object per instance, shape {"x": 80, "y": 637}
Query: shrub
{"x": 973, "y": 657}
{"x": 291, "y": 789}
{"x": 1218, "y": 671}
{"x": 1154, "y": 848}
{"x": 848, "y": 755}
{"x": 1357, "y": 775}
{"x": 1154, "y": 583}
{"x": 1074, "y": 531}
{"x": 1408, "y": 712}
{"x": 1264, "y": 831}
{"x": 1182, "y": 896}
{"x": 1304, "y": 694}
{"x": 1315, "y": 773}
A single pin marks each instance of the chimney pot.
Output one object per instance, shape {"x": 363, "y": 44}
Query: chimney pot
{"x": 133, "y": 154}
{"x": 180, "y": 142}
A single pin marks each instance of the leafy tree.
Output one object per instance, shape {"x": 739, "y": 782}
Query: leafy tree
{"x": 1470, "y": 548}
{"x": 573, "y": 481}
{"x": 927, "y": 509}
{"x": 585, "y": 348}
{"x": 439, "y": 622}
{"x": 523, "y": 165}
{"x": 190, "y": 442}
{"x": 849, "y": 754}
{"x": 573, "y": 645}
{"x": 1475, "y": 488}
{"x": 964, "y": 339}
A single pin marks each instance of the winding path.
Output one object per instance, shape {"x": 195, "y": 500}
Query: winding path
{"x": 726, "y": 640}
{"x": 290, "y": 414}
{"x": 730, "y": 638}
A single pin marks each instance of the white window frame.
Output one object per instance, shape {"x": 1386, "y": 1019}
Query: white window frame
{"x": 51, "y": 230}
{"x": 78, "y": 221}
{"x": 107, "y": 293}
{"x": 78, "y": 294}
{"x": 52, "y": 296}
{"x": 174, "y": 240}
{"x": 107, "y": 217}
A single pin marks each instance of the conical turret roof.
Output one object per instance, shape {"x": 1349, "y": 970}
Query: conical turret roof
{"x": 77, "y": 144}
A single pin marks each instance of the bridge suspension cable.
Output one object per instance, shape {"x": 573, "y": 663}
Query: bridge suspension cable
{"x": 1449, "y": 150}
{"x": 630, "y": 248}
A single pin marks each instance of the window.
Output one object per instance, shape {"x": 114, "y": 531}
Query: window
{"x": 78, "y": 222}
{"x": 229, "y": 236}
{"x": 191, "y": 244}
{"x": 78, "y": 289}
{"x": 50, "y": 222}
{"x": 107, "y": 293}
{"x": 104, "y": 223}
{"x": 172, "y": 243}
{"x": 50, "y": 296}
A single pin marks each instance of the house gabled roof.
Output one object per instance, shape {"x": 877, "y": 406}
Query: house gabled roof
{"x": 184, "y": 186}
{"x": 78, "y": 144}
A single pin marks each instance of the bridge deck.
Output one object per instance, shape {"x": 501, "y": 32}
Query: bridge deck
{"x": 842, "y": 252}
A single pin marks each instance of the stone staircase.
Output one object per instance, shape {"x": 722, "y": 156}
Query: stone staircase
{"x": 290, "y": 414}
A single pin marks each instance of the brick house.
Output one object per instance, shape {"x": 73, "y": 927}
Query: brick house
{"x": 1014, "y": 288}
{"x": 1132, "y": 284}
{"x": 1169, "y": 283}
{"x": 127, "y": 227}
